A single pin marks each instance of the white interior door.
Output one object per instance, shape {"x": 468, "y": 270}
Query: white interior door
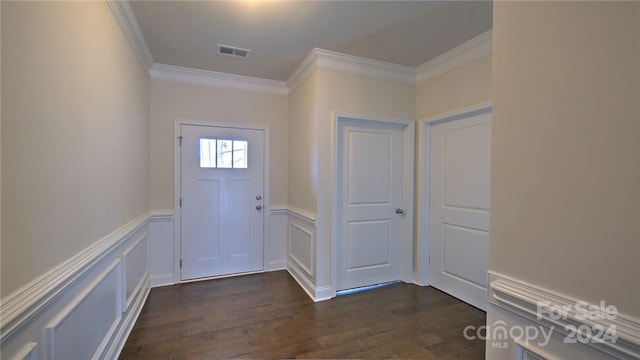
{"x": 459, "y": 210}
{"x": 370, "y": 231}
{"x": 222, "y": 172}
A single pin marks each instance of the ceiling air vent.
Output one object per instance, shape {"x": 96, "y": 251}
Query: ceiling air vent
{"x": 233, "y": 51}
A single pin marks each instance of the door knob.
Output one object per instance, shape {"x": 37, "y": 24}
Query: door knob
{"x": 399, "y": 211}
{"x": 259, "y": 197}
{"x": 259, "y": 207}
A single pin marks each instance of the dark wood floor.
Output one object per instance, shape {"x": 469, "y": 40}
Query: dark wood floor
{"x": 269, "y": 316}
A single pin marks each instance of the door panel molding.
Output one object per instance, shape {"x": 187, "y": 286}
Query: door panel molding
{"x": 177, "y": 165}
{"x": 408, "y": 156}
{"x": 423, "y": 217}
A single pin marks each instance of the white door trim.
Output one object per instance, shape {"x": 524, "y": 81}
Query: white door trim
{"x": 423, "y": 189}
{"x": 177, "y": 234}
{"x": 408, "y": 157}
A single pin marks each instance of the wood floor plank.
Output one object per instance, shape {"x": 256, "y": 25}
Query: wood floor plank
{"x": 268, "y": 316}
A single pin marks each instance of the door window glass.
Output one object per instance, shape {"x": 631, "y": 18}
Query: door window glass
{"x": 224, "y": 154}
{"x": 207, "y": 153}
{"x": 240, "y": 154}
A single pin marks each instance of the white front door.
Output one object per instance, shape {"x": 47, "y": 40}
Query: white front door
{"x": 459, "y": 210}
{"x": 370, "y": 188}
{"x": 222, "y": 171}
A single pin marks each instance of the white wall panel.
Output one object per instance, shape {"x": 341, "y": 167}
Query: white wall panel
{"x": 301, "y": 247}
{"x": 301, "y": 233}
{"x": 136, "y": 268}
{"x": 276, "y": 240}
{"x": 161, "y": 248}
{"x": 85, "y": 307}
{"x": 78, "y": 331}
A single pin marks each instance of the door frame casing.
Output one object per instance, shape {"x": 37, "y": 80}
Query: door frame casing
{"x": 423, "y": 190}
{"x": 408, "y": 159}
{"x": 177, "y": 185}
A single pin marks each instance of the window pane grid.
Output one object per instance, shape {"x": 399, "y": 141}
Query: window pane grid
{"x": 224, "y": 154}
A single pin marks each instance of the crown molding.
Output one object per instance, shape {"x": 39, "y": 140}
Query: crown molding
{"x": 316, "y": 59}
{"x": 303, "y": 71}
{"x": 216, "y": 79}
{"x": 364, "y": 67}
{"x": 464, "y": 53}
{"x": 125, "y": 17}
{"x": 355, "y": 65}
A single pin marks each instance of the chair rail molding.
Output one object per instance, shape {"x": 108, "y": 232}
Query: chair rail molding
{"x": 114, "y": 269}
{"x": 567, "y": 315}
{"x": 302, "y": 214}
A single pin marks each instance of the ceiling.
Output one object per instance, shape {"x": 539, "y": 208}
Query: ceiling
{"x": 281, "y": 33}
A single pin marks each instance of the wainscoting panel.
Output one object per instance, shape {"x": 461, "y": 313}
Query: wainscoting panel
{"x": 276, "y": 240}
{"x": 301, "y": 233}
{"x": 78, "y": 331}
{"x": 85, "y": 307}
{"x": 574, "y": 328}
{"x": 301, "y": 253}
{"x": 136, "y": 268}
{"x": 161, "y": 248}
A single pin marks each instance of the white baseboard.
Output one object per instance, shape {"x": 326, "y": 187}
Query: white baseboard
{"x": 303, "y": 281}
{"x": 561, "y": 313}
{"x": 162, "y": 280}
{"x": 84, "y": 307}
{"x": 316, "y": 294}
{"x": 418, "y": 281}
{"x": 324, "y": 293}
{"x": 277, "y": 265}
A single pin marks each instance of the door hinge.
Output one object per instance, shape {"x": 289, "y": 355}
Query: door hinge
{"x": 181, "y": 263}
{"x": 180, "y": 140}
{"x": 180, "y": 202}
